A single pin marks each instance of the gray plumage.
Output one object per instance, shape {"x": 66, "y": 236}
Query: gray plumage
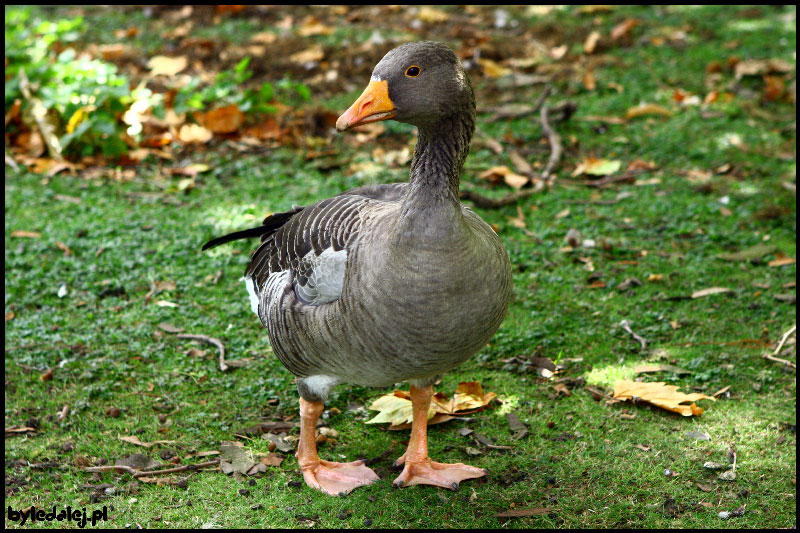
{"x": 423, "y": 282}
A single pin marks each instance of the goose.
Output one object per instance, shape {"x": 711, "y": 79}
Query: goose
{"x": 386, "y": 283}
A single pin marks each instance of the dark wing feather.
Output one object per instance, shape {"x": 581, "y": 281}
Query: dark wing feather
{"x": 286, "y": 238}
{"x": 326, "y": 224}
{"x": 270, "y": 225}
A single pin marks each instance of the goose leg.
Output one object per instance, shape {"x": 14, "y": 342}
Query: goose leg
{"x": 419, "y": 469}
{"x": 336, "y": 479}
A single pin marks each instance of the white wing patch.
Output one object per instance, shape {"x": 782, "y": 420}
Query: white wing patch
{"x": 327, "y": 277}
{"x": 251, "y": 290}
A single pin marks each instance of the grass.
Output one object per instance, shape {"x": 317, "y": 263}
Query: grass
{"x": 580, "y": 457}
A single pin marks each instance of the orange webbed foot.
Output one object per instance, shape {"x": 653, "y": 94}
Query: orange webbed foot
{"x": 338, "y": 479}
{"x": 427, "y": 472}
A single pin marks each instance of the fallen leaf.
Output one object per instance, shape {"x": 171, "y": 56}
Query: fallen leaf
{"x": 647, "y": 109}
{"x": 133, "y": 439}
{"x": 623, "y": 29}
{"x": 430, "y": 14}
{"x": 597, "y": 167}
{"x": 235, "y": 459}
{"x": 748, "y": 254}
{"x": 643, "y": 369}
{"x": 309, "y": 55}
{"x": 222, "y": 119}
{"x": 396, "y": 409}
{"x": 63, "y": 247}
{"x": 493, "y": 69}
{"x": 708, "y": 292}
{"x": 169, "y": 328}
{"x": 194, "y": 133}
{"x": 272, "y": 459}
{"x": 167, "y": 66}
{"x": 138, "y": 461}
{"x": 782, "y": 261}
{"x": 704, "y": 487}
{"x": 659, "y": 394}
{"x": 759, "y": 67}
{"x": 590, "y": 43}
{"x": 25, "y": 234}
{"x": 516, "y": 426}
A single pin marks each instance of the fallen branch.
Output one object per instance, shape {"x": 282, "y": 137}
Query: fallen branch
{"x": 496, "y": 203}
{"x": 210, "y": 340}
{"x": 627, "y": 327}
{"x": 142, "y": 473}
{"x": 501, "y": 114}
{"x": 555, "y": 148}
{"x": 771, "y": 357}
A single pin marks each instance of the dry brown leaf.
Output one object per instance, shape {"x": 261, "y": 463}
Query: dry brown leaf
{"x": 589, "y": 81}
{"x": 782, "y": 261}
{"x": 63, "y": 247}
{"x": 623, "y": 29}
{"x": 221, "y": 120}
{"x": 710, "y": 291}
{"x": 430, "y": 14}
{"x": 493, "y": 69}
{"x": 193, "y": 133}
{"x": 167, "y": 66}
{"x": 647, "y": 109}
{"x": 590, "y": 43}
{"x": 495, "y": 174}
{"x": 133, "y": 439}
{"x": 26, "y": 234}
{"x": 315, "y": 53}
{"x": 659, "y": 394}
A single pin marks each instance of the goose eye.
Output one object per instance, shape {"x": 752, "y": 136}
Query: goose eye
{"x": 413, "y": 71}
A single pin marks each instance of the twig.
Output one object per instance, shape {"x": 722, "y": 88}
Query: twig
{"x": 39, "y": 113}
{"x": 555, "y": 147}
{"x": 209, "y": 340}
{"x": 627, "y": 327}
{"x": 771, "y": 357}
{"x": 139, "y": 473}
{"x": 523, "y": 112}
{"x": 496, "y": 203}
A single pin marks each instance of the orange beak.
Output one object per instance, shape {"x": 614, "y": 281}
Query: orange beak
{"x": 373, "y": 105}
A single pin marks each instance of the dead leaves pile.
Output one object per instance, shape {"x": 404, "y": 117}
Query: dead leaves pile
{"x": 396, "y": 409}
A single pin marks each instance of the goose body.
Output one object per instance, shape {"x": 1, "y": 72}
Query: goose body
{"x": 385, "y": 283}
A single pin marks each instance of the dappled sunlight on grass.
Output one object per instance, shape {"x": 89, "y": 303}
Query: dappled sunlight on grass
{"x": 607, "y": 375}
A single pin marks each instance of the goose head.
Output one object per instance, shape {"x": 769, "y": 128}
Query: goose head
{"x": 420, "y": 83}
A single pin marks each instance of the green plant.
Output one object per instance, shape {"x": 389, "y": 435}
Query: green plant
{"x": 227, "y": 90}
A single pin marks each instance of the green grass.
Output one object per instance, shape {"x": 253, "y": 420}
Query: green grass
{"x": 103, "y": 341}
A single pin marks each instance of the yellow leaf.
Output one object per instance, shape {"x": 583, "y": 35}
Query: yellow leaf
{"x": 597, "y": 167}
{"x": 660, "y": 394}
{"x": 647, "y": 109}
{"x": 429, "y": 14}
{"x": 396, "y": 408}
{"x": 167, "y": 66}
{"x": 493, "y": 69}
{"x": 76, "y": 118}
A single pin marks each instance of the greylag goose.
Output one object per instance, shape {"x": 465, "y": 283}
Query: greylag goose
{"x": 385, "y": 283}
